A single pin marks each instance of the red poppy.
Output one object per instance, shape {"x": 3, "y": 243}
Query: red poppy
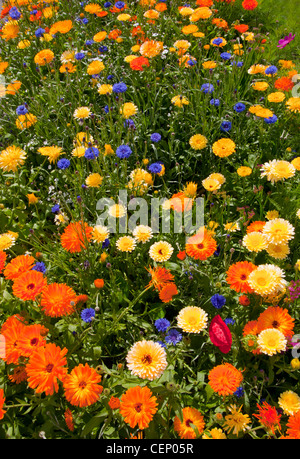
{"x": 220, "y": 334}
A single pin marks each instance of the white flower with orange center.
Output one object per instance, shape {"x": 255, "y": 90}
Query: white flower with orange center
{"x": 147, "y": 359}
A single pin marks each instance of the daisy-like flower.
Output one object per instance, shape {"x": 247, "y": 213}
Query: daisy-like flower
{"x": 126, "y": 244}
{"x": 76, "y": 236}
{"x": 223, "y": 148}
{"x": 161, "y": 251}
{"x": 105, "y": 89}
{"x": 179, "y": 101}
{"x": 192, "y": 319}
{"x": 211, "y": 184}
{"x": 151, "y": 48}
{"x": 191, "y": 417}
{"x": 47, "y": 366}
{"x": 271, "y": 341}
{"x": 147, "y": 360}
{"x": 100, "y": 234}
{"x": 117, "y": 211}
{"x": 214, "y": 434}
{"x": 82, "y": 386}
{"x": 44, "y": 57}
{"x": 18, "y": 266}
{"x": 58, "y": 300}
{"x": 160, "y": 277}
{"x": 29, "y": 285}
{"x": 224, "y": 379}
{"x": 255, "y": 241}
{"x": 138, "y": 406}
{"x": 128, "y": 109}
{"x": 276, "y": 317}
{"x": 289, "y": 402}
{"x": 11, "y": 158}
{"x": 278, "y": 231}
{"x": 293, "y": 104}
{"x": 276, "y": 170}
{"x": 52, "y": 152}
{"x": 201, "y": 246}
{"x": 236, "y": 421}
{"x": 142, "y": 233}
{"x": 267, "y": 279}
{"x": 82, "y": 113}
{"x": 31, "y": 339}
{"x": 278, "y": 251}
{"x": 167, "y": 292}
{"x": 94, "y": 180}
{"x": 7, "y": 240}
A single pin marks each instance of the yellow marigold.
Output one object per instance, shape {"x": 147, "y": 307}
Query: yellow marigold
{"x": 151, "y": 48}
{"x": 192, "y": 319}
{"x": 271, "y": 341}
{"x": 82, "y": 113}
{"x": 151, "y": 14}
{"x": 276, "y": 97}
{"x": 93, "y": 8}
{"x": 44, "y": 57}
{"x": 100, "y": 36}
{"x": 179, "y": 101}
{"x": 289, "y": 402}
{"x": 209, "y": 65}
{"x": 244, "y": 171}
{"x": 94, "y": 180}
{"x": 188, "y": 29}
{"x": 11, "y": 158}
{"x": 223, "y": 148}
{"x": 198, "y": 142}
{"x": 200, "y": 13}
{"x": 128, "y": 109}
{"x": 100, "y": 233}
{"x": 25, "y": 121}
{"x": 255, "y": 241}
{"x": 260, "y": 86}
{"x": 52, "y": 152}
{"x": 61, "y": 27}
{"x": 24, "y": 44}
{"x": 296, "y": 163}
{"x": 211, "y": 184}
{"x": 293, "y": 104}
{"x": 10, "y": 30}
{"x": 126, "y": 244}
{"x": 95, "y": 67}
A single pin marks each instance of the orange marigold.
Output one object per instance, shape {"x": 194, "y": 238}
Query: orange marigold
{"x": 276, "y": 317}
{"x": 2, "y": 260}
{"x": 191, "y": 417}
{"x": 2, "y": 400}
{"x": 58, "y": 300}
{"x": 167, "y": 292}
{"x": 284, "y": 84}
{"x": 138, "y": 406}
{"x": 82, "y": 386}
{"x": 18, "y": 266}
{"x": 69, "y": 419}
{"x": 201, "y": 246}
{"x": 225, "y": 379}
{"x": 29, "y": 285}
{"x": 76, "y": 236}
{"x": 237, "y": 276}
{"x": 114, "y": 403}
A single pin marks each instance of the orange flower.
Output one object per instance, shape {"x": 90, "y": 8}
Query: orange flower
{"x": 184, "y": 428}
{"x": 225, "y": 379}
{"x": 2, "y": 400}
{"x": 31, "y": 339}
{"x": 44, "y": 57}
{"x": 18, "y": 266}
{"x": 138, "y": 406}
{"x": 284, "y": 84}
{"x": 139, "y": 63}
{"x": 75, "y": 236}
{"x": 256, "y": 226}
{"x": 181, "y": 255}
{"x": 276, "y": 317}
{"x": 45, "y": 367}
{"x": 114, "y": 403}
{"x": 19, "y": 375}
{"x": 241, "y": 28}
{"x": 167, "y": 292}
{"x": 114, "y": 34}
{"x": 81, "y": 386}
{"x": 180, "y": 202}
{"x": 293, "y": 426}
{"x": 2, "y": 260}
{"x": 58, "y": 300}
{"x": 61, "y": 26}
{"x": 29, "y": 285}
{"x": 12, "y": 330}
{"x": 151, "y": 48}
{"x": 268, "y": 417}
{"x": 99, "y": 283}
{"x": 69, "y": 419}
{"x": 237, "y": 276}
{"x": 201, "y": 246}
{"x": 160, "y": 277}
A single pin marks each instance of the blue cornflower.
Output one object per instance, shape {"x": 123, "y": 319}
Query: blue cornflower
{"x": 40, "y": 266}
{"x": 238, "y": 64}
{"x": 155, "y": 168}
{"x": 162, "y": 343}
{"x": 155, "y": 137}
{"x": 271, "y": 120}
{"x": 110, "y": 77}
{"x": 21, "y": 110}
{"x": 107, "y": 4}
{"x": 191, "y": 62}
{"x": 162, "y": 325}
{"x": 91, "y": 153}
{"x": 14, "y": 13}
{"x": 271, "y": 70}
{"x": 217, "y": 41}
{"x": 218, "y": 301}
{"x": 39, "y": 32}
{"x": 217, "y": 252}
{"x": 225, "y": 56}
{"x": 105, "y": 244}
{"x": 129, "y": 123}
{"x": 55, "y": 209}
{"x": 87, "y": 314}
{"x": 119, "y": 5}
{"x": 239, "y": 107}
{"x": 85, "y": 21}
{"x": 119, "y": 87}
{"x": 173, "y": 337}
{"x": 63, "y": 163}
{"x": 229, "y": 321}
{"x": 207, "y": 88}
{"x": 79, "y": 56}
{"x": 106, "y": 109}
{"x": 123, "y": 151}
{"x": 215, "y": 102}
{"x": 89, "y": 42}
{"x": 239, "y": 392}
{"x": 103, "y": 49}
{"x": 225, "y": 126}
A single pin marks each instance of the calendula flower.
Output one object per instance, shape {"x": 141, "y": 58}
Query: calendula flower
{"x": 244, "y": 171}
{"x": 128, "y": 109}
{"x": 255, "y": 241}
{"x": 95, "y": 67}
{"x": 278, "y": 231}
{"x": 82, "y": 386}
{"x": 82, "y": 113}
{"x": 142, "y": 233}
{"x": 268, "y": 417}
{"x": 11, "y": 158}
{"x": 29, "y": 285}
{"x": 185, "y": 428}
{"x": 57, "y": 300}
{"x": 276, "y": 170}
{"x": 192, "y": 319}
{"x": 289, "y": 402}
{"x": 276, "y": 317}
{"x": 138, "y": 406}
{"x": 126, "y": 244}
{"x": 161, "y": 251}
{"x": 147, "y": 360}
{"x": 271, "y": 341}
{"x": 94, "y": 180}
{"x": 223, "y": 148}
{"x": 267, "y": 279}
{"x": 151, "y": 48}
{"x": 44, "y": 57}
{"x": 236, "y": 421}
{"x": 224, "y": 379}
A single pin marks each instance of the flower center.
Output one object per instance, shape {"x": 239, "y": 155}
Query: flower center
{"x": 30, "y": 286}
{"x": 138, "y": 407}
{"x": 34, "y": 341}
{"x": 49, "y": 367}
{"x": 275, "y": 324}
{"x": 147, "y": 359}
{"x": 200, "y": 246}
{"x": 188, "y": 422}
{"x": 82, "y": 384}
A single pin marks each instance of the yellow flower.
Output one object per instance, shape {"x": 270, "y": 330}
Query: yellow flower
{"x": 211, "y": 184}
{"x": 293, "y": 104}
{"x": 44, "y": 57}
{"x": 244, "y": 171}
{"x": 295, "y": 364}
{"x": 103, "y": 257}
{"x": 276, "y": 97}
{"x": 25, "y": 121}
{"x": 7, "y": 240}
{"x": 95, "y": 67}
{"x": 223, "y": 147}
{"x": 142, "y": 233}
{"x": 255, "y": 241}
{"x": 161, "y": 251}
{"x": 123, "y": 17}
{"x": 108, "y": 150}
{"x": 11, "y": 158}
{"x": 23, "y": 44}
{"x": 94, "y": 180}
{"x": 190, "y": 189}
{"x": 271, "y": 341}
{"x": 100, "y": 36}
{"x": 231, "y": 227}
{"x": 296, "y": 163}
{"x": 198, "y": 142}
{"x": 82, "y": 113}
{"x": 214, "y": 434}
{"x": 128, "y": 109}
{"x": 179, "y": 101}
{"x": 278, "y": 251}
{"x": 272, "y": 214}
{"x": 126, "y": 244}
{"x": 52, "y": 152}
{"x": 209, "y": 65}
{"x": 188, "y": 29}
{"x": 117, "y": 211}
{"x": 200, "y": 13}
{"x": 236, "y": 422}
{"x": 276, "y": 170}
{"x": 100, "y": 233}
{"x": 278, "y": 231}
{"x": 147, "y": 360}
{"x": 192, "y": 319}
{"x": 267, "y": 279}
{"x": 260, "y": 86}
